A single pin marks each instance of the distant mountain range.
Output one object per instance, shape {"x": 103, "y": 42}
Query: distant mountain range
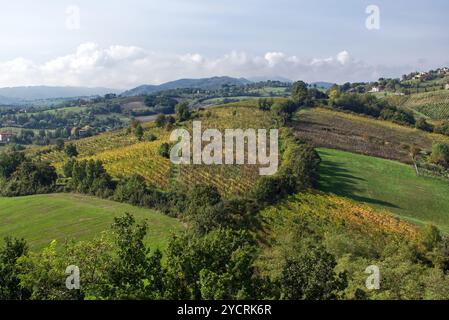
{"x": 204, "y": 83}
{"x": 26, "y": 95}
{"x": 16, "y": 95}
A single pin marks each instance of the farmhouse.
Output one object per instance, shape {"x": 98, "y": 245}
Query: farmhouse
{"x": 447, "y": 86}
{"x": 5, "y": 137}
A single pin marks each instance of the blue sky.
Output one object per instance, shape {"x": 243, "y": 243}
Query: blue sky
{"x": 125, "y": 43}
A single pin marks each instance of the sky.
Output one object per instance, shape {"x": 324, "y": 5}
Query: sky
{"x": 122, "y": 44}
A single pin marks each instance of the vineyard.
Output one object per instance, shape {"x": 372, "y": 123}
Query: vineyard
{"x": 140, "y": 158}
{"x": 229, "y": 179}
{"x": 345, "y": 131}
{"x": 328, "y": 208}
{"x": 345, "y": 226}
{"x": 434, "y": 105}
{"x": 123, "y": 155}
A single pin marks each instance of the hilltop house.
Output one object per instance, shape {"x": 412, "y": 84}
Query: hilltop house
{"x": 420, "y": 75}
{"x": 376, "y": 89}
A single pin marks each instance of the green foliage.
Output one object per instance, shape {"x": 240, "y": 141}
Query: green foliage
{"x": 309, "y": 275}
{"x": 30, "y": 178}
{"x": 135, "y": 273}
{"x": 161, "y": 121}
{"x": 138, "y": 132}
{"x": 422, "y": 124}
{"x": 265, "y": 104}
{"x": 89, "y": 177}
{"x": 440, "y": 154}
{"x": 430, "y": 237}
{"x": 164, "y": 150}
{"x": 299, "y": 92}
{"x": 10, "y": 274}
{"x": 70, "y": 150}
{"x": 132, "y": 190}
{"x": 442, "y": 128}
{"x": 151, "y": 137}
{"x": 9, "y": 162}
{"x": 183, "y": 111}
{"x": 299, "y": 171}
{"x": 60, "y": 144}
{"x": 369, "y": 105}
{"x": 44, "y": 275}
{"x": 218, "y": 265}
{"x": 284, "y": 111}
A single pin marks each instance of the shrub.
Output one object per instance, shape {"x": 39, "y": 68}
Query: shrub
{"x": 70, "y": 150}
{"x": 422, "y": 124}
{"x": 440, "y": 154}
{"x": 164, "y": 150}
{"x": 160, "y": 121}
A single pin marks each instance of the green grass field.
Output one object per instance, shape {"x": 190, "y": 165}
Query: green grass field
{"x": 42, "y": 218}
{"x": 386, "y": 184}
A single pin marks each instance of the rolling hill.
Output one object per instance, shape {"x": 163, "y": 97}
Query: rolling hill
{"x": 40, "y": 219}
{"x": 123, "y": 155}
{"x": 361, "y": 134}
{"x": 386, "y": 185}
{"x": 204, "y": 83}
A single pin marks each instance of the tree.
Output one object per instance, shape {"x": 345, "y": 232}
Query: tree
{"x": 160, "y": 121}
{"x": 151, "y": 137}
{"x": 182, "y": 111}
{"x": 60, "y": 144}
{"x": 430, "y": 237}
{"x": 202, "y": 195}
{"x": 299, "y": 92}
{"x": 10, "y": 273}
{"x": 309, "y": 275}
{"x": 218, "y": 265}
{"x": 440, "y": 154}
{"x": 284, "y": 110}
{"x": 71, "y": 151}
{"x": 31, "y": 178}
{"x": 135, "y": 273}
{"x": 164, "y": 150}
{"x": 265, "y": 104}
{"x": 9, "y": 162}
{"x": 138, "y": 132}
{"x": 132, "y": 190}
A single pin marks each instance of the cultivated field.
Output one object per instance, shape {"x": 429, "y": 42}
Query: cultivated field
{"x": 364, "y": 135}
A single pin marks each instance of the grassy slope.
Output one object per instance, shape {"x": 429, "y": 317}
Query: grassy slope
{"x": 43, "y": 218}
{"x": 386, "y": 184}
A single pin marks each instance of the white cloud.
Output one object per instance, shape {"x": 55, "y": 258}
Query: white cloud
{"x": 343, "y": 57}
{"x": 129, "y": 66}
